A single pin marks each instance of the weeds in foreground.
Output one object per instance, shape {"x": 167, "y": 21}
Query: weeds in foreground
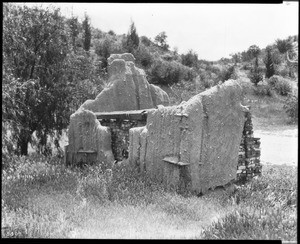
{"x": 43, "y": 199}
{"x": 265, "y": 208}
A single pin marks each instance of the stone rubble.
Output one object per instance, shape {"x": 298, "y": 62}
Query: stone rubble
{"x": 249, "y": 155}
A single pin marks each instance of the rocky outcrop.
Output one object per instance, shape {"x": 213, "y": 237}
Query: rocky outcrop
{"x": 128, "y": 88}
{"x": 193, "y": 145}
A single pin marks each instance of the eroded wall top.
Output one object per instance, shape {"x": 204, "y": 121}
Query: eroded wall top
{"x": 127, "y": 89}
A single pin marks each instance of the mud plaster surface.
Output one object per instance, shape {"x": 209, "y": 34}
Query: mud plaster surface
{"x": 205, "y": 132}
{"x": 128, "y": 88}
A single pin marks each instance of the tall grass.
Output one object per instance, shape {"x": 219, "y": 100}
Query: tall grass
{"x": 265, "y": 208}
{"x": 43, "y": 199}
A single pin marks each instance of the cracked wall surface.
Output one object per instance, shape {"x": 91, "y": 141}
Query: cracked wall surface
{"x": 194, "y": 144}
{"x": 86, "y": 137}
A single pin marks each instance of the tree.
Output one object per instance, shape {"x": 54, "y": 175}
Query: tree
{"x": 255, "y": 74}
{"x": 132, "y": 39}
{"x": 268, "y": 60}
{"x": 35, "y": 86}
{"x": 74, "y": 28}
{"x": 87, "y": 33}
{"x": 190, "y": 59}
{"x": 161, "y": 40}
{"x": 283, "y": 45}
{"x": 104, "y": 48}
{"x": 236, "y": 57}
{"x": 253, "y": 51}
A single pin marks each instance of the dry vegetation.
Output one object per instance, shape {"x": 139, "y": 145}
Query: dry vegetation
{"x": 43, "y": 199}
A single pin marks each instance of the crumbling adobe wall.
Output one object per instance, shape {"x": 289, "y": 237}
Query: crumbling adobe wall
{"x": 128, "y": 88}
{"x": 88, "y": 136}
{"x": 202, "y": 136}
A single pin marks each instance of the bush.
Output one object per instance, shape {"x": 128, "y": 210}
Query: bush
{"x": 283, "y": 72}
{"x": 143, "y": 56}
{"x": 146, "y": 41}
{"x": 281, "y": 85}
{"x": 246, "y": 66}
{"x": 256, "y": 74}
{"x": 228, "y": 73}
{"x": 291, "y": 107}
{"x": 263, "y": 90}
{"x": 205, "y": 81}
{"x": 165, "y": 72}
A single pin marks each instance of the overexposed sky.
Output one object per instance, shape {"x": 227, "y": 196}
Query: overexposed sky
{"x": 213, "y": 31}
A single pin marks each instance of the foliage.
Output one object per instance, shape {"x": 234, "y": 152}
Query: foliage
{"x": 132, "y": 39}
{"x": 253, "y": 51}
{"x": 263, "y": 89}
{"x": 291, "y": 106}
{"x": 228, "y": 73}
{"x": 111, "y": 32}
{"x": 103, "y": 48}
{"x": 190, "y": 59}
{"x": 255, "y": 74}
{"x": 43, "y": 199}
{"x": 164, "y": 72}
{"x": 36, "y": 91}
{"x": 146, "y": 41}
{"x": 205, "y": 81}
{"x": 283, "y": 45}
{"x": 281, "y": 85}
{"x": 236, "y": 57}
{"x": 270, "y": 69}
{"x": 87, "y": 35}
{"x": 74, "y": 27}
{"x": 161, "y": 40}
{"x": 265, "y": 208}
{"x": 143, "y": 57}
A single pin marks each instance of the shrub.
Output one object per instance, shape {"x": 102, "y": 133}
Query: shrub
{"x": 256, "y": 74}
{"x": 283, "y": 88}
{"x": 143, "y": 56}
{"x": 146, "y": 41}
{"x": 281, "y": 85}
{"x": 246, "y": 66}
{"x": 228, "y": 73}
{"x": 284, "y": 72}
{"x": 263, "y": 90}
{"x": 205, "y": 81}
{"x": 165, "y": 72}
{"x": 291, "y": 107}
{"x": 190, "y": 59}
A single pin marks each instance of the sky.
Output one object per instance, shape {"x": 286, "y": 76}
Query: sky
{"x": 212, "y": 31}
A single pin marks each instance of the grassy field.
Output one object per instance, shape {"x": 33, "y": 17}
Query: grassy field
{"x": 43, "y": 199}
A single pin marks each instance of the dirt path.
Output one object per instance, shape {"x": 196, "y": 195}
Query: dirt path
{"x": 278, "y": 147}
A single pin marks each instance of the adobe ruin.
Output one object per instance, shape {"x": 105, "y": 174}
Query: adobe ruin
{"x": 198, "y": 145}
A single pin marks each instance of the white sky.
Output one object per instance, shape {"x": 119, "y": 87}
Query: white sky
{"x": 213, "y": 31}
